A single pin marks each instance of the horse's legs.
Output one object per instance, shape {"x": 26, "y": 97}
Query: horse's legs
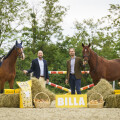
{"x": 11, "y": 83}
{"x": 2, "y": 87}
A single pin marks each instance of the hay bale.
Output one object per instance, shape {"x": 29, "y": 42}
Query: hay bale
{"x": 103, "y": 87}
{"x": 52, "y": 105}
{"x": 113, "y": 101}
{"x": 1, "y": 100}
{"x": 42, "y": 82}
{"x": 9, "y": 100}
{"x": 37, "y": 87}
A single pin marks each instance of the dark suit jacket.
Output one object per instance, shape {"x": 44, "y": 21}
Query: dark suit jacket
{"x": 35, "y": 68}
{"x": 78, "y": 67}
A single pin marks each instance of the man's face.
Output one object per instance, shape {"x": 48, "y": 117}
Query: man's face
{"x": 71, "y": 52}
{"x": 40, "y": 54}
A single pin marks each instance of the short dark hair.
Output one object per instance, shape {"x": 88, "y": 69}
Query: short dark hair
{"x": 71, "y": 48}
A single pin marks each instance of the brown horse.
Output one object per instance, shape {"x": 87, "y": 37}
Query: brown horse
{"x": 101, "y": 67}
{"x": 7, "y": 68}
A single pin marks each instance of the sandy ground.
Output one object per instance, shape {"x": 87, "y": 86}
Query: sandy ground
{"x": 59, "y": 114}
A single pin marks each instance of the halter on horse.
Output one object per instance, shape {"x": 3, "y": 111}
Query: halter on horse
{"x": 101, "y": 67}
{"x": 7, "y": 69}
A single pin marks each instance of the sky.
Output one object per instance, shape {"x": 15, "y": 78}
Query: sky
{"x": 85, "y": 9}
{"x": 80, "y": 10}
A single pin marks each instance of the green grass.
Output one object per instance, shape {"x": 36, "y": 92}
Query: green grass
{"x": 6, "y": 86}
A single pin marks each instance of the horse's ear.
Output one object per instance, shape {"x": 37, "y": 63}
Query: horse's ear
{"x": 21, "y": 43}
{"x": 82, "y": 45}
{"x": 89, "y": 45}
{"x": 16, "y": 42}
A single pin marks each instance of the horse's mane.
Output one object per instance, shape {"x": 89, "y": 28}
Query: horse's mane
{"x": 94, "y": 53}
{"x": 101, "y": 57}
{"x": 9, "y": 52}
{"x": 118, "y": 60}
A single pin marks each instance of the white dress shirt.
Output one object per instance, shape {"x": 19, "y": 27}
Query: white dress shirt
{"x": 72, "y": 65}
{"x": 41, "y": 65}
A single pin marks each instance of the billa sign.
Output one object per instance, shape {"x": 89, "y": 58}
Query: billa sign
{"x": 71, "y": 101}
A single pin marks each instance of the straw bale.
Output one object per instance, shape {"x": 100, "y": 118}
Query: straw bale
{"x": 113, "y": 101}
{"x": 103, "y": 87}
{"x": 9, "y": 100}
{"x": 52, "y": 105}
{"x": 42, "y": 82}
{"x": 37, "y": 88}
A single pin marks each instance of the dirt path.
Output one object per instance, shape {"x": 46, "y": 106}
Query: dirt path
{"x": 59, "y": 114}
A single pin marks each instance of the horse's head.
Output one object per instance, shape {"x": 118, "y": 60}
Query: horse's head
{"x": 19, "y": 48}
{"x": 86, "y": 53}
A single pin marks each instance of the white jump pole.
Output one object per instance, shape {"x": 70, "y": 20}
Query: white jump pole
{"x": 114, "y": 85}
{"x": 31, "y": 74}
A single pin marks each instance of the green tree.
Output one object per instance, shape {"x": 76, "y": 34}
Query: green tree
{"x": 54, "y": 14}
{"x": 12, "y": 16}
{"x": 47, "y": 25}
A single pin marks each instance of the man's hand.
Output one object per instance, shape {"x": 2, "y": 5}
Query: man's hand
{"x": 84, "y": 63}
{"x": 66, "y": 81}
{"x": 25, "y": 71}
{"x": 119, "y": 83}
{"x": 47, "y": 81}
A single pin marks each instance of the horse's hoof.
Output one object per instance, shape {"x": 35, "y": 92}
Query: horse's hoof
{"x": 1, "y": 91}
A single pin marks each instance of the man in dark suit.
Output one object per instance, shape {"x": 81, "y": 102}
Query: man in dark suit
{"x": 39, "y": 68}
{"x": 74, "y": 67}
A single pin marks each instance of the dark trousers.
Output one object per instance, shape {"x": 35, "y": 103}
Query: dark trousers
{"x": 75, "y": 83}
